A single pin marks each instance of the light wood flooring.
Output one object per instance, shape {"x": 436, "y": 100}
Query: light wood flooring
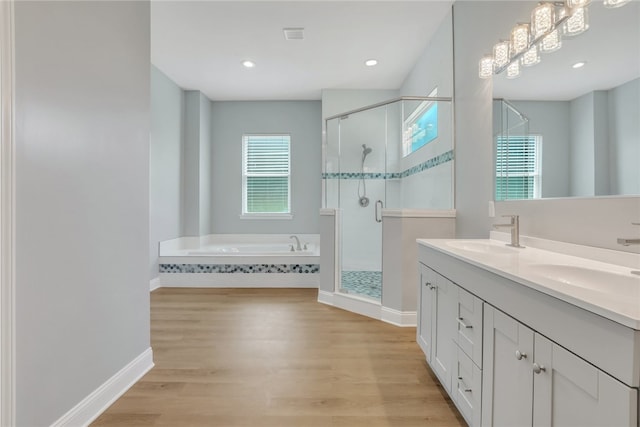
{"x": 276, "y": 357}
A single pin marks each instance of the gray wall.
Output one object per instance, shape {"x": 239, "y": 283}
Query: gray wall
{"x": 473, "y": 119}
{"x": 165, "y": 164}
{"x": 82, "y": 199}
{"x": 230, "y": 120}
{"x": 582, "y": 142}
{"x": 624, "y": 128}
{"x": 435, "y": 65}
{"x": 551, "y": 120}
{"x": 196, "y": 183}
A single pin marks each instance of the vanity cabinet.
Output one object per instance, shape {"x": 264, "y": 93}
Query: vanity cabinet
{"x": 509, "y": 355}
{"x": 436, "y": 329}
{"x": 530, "y": 380}
{"x": 450, "y": 334}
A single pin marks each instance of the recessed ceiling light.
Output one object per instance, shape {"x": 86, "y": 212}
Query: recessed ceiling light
{"x": 579, "y": 65}
{"x": 371, "y": 62}
{"x": 248, "y": 64}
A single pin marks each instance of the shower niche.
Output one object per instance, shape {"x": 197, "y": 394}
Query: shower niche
{"x": 387, "y": 176}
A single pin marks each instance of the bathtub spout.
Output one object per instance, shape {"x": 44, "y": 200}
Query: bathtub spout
{"x": 298, "y": 247}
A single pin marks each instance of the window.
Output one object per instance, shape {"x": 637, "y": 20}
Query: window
{"x": 266, "y": 177}
{"x": 421, "y": 127}
{"x": 518, "y": 167}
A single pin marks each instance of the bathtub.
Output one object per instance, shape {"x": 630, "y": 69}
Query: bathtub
{"x": 250, "y": 261}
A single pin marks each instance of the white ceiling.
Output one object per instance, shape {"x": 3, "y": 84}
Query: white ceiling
{"x": 200, "y": 45}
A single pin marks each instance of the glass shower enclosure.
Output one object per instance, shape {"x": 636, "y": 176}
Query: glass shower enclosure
{"x": 393, "y": 155}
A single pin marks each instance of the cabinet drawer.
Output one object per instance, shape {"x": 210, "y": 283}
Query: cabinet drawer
{"x": 467, "y": 388}
{"x": 469, "y": 325}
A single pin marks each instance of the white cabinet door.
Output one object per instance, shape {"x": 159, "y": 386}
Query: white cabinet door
{"x": 467, "y": 387}
{"x": 507, "y": 385}
{"x": 444, "y": 320}
{"x": 426, "y": 309}
{"x": 571, "y": 392}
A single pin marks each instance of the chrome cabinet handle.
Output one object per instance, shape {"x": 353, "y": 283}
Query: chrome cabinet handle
{"x": 465, "y": 388}
{"x": 464, "y": 325}
{"x": 379, "y": 211}
{"x": 538, "y": 368}
{"x": 520, "y": 355}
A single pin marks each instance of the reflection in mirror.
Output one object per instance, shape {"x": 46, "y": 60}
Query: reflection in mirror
{"x": 567, "y": 131}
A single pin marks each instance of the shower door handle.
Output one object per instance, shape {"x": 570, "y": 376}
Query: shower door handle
{"x": 379, "y": 210}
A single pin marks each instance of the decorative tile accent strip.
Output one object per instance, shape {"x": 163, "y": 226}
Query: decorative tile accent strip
{"x": 240, "y": 268}
{"x": 431, "y": 163}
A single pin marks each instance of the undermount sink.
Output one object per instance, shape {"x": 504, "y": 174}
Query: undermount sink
{"x": 588, "y": 278}
{"x": 483, "y": 247}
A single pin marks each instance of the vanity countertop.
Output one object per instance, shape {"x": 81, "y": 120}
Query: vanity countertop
{"x": 604, "y": 288}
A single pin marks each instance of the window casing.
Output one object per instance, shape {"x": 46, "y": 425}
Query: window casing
{"x": 266, "y": 176}
{"x": 518, "y": 174}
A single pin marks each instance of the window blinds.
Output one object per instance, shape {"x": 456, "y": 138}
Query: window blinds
{"x": 518, "y": 167}
{"x": 266, "y": 173}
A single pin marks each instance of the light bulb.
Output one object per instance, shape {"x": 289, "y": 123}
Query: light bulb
{"x": 486, "y": 67}
{"x": 513, "y": 70}
{"x": 501, "y": 54}
{"x": 542, "y": 19}
{"x": 531, "y": 57}
{"x": 519, "y": 38}
{"x": 551, "y": 42}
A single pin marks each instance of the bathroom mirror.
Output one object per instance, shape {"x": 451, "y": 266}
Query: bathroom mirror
{"x": 585, "y": 120}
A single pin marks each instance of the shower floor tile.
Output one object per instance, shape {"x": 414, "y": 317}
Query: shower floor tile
{"x": 364, "y": 283}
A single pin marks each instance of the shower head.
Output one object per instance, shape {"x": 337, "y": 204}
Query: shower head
{"x": 366, "y": 150}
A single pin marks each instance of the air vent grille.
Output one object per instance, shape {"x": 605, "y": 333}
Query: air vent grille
{"x": 293, "y": 33}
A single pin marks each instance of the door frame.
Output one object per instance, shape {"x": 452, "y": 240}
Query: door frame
{"x": 7, "y": 215}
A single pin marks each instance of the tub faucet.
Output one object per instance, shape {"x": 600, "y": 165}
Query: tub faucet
{"x": 298, "y": 247}
{"x": 627, "y": 242}
{"x": 514, "y": 225}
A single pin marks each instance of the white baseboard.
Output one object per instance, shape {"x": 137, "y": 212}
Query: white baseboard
{"x": 154, "y": 284}
{"x": 399, "y": 318}
{"x": 101, "y": 398}
{"x": 325, "y": 297}
{"x": 357, "y": 305}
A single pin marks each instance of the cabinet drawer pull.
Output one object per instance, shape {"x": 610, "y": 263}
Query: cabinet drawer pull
{"x": 538, "y": 368}
{"x": 464, "y": 325}
{"x": 465, "y": 388}
{"x": 520, "y": 355}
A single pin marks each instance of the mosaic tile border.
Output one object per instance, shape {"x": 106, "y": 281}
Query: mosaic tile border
{"x": 431, "y": 163}
{"x": 240, "y": 268}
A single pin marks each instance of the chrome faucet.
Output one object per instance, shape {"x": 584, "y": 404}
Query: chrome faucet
{"x": 298, "y": 247}
{"x": 627, "y": 242}
{"x": 514, "y": 225}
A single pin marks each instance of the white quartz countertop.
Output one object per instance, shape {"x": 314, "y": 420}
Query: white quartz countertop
{"x": 604, "y": 288}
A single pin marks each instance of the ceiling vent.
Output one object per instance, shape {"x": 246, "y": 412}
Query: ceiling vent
{"x": 293, "y": 33}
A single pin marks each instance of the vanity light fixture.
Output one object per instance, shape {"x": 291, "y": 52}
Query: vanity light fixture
{"x": 513, "y": 70}
{"x": 248, "y": 64}
{"x": 531, "y": 56}
{"x": 550, "y": 21}
{"x": 371, "y": 62}
{"x": 577, "y": 23}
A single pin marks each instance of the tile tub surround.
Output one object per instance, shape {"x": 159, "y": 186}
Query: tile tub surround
{"x": 186, "y": 262}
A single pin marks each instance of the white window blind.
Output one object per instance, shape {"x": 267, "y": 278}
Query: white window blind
{"x": 266, "y": 174}
{"x": 518, "y": 167}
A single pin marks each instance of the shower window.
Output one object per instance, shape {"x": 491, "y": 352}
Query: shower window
{"x": 266, "y": 176}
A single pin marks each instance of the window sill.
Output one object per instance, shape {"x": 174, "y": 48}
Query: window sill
{"x": 266, "y": 216}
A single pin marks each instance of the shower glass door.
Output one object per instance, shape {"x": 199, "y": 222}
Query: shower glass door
{"x": 362, "y": 145}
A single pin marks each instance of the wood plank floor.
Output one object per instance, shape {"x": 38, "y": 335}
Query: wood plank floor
{"x": 276, "y": 357}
